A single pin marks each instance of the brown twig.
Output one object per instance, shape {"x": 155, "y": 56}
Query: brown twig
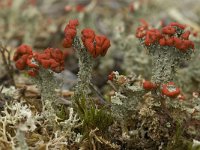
{"x": 101, "y": 99}
{"x": 112, "y": 85}
{"x": 7, "y": 63}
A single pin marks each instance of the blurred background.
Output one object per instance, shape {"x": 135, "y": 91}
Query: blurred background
{"x": 40, "y": 24}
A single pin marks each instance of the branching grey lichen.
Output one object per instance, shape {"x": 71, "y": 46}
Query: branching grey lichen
{"x": 127, "y": 97}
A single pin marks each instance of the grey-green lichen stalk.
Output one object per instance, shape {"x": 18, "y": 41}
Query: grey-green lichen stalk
{"x": 165, "y": 61}
{"x": 93, "y": 46}
{"x": 125, "y": 100}
{"x": 85, "y": 70}
{"x": 47, "y": 84}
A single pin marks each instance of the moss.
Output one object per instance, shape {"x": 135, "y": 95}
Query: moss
{"x": 92, "y": 116}
{"x": 62, "y": 113}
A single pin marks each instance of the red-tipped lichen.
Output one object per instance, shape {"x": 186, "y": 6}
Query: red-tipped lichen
{"x": 95, "y": 44}
{"x": 70, "y": 33}
{"x": 148, "y": 85}
{"x": 167, "y": 36}
{"x": 50, "y": 58}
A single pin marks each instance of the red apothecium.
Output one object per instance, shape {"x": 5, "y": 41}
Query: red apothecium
{"x": 148, "y": 85}
{"x": 170, "y": 90}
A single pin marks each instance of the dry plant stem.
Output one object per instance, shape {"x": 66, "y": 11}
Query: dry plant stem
{"x": 112, "y": 85}
{"x": 85, "y": 68}
{"x": 96, "y": 90}
{"x": 101, "y": 140}
{"x": 7, "y": 63}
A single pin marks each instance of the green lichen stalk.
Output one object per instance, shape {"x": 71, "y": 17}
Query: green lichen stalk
{"x": 85, "y": 69}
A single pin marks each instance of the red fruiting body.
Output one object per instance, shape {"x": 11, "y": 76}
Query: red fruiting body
{"x": 67, "y": 42}
{"x": 88, "y": 36}
{"x": 152, "y": 36}
{"x": 181, "y": 26}
{"x": 170, "y": 90}
{"x": 162, "y": 42}
{"x": 22, "y": 50}
{"x": 141, "y": 30}
{"x": 95, "y": 44}
{"x": 111, "y": 76}
{"x": 51, "y": 59}
{"x": 165, "y": 38}
{"x": 170, "y": 41}
{"x": 177, "y": 42}
{"x": 102, "y": 45}
{"x": 32, "y": 73}
{"x": 147, "y": 42}
{"x": 45, "y": 63}
{"x": 20, "y": 64}
{"x": 148, "y": 85}
{"x": 140, "y": 34}
{"x": 70, "y": 33}
{"x": 30, "y": 63}
{"x": 22, "y": 54}
{"x": 168, "y": 30}
{"x": 185, "y": 35}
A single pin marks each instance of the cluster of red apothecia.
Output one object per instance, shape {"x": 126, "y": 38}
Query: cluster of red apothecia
{"x": 111, "y": 76}
{"x": 70, "y": 33}
{"x": 170, "y": 35}
{"x": 95, "y": 44}
{"x": 169, "y": 89}
{"x": 50, "y": 58}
